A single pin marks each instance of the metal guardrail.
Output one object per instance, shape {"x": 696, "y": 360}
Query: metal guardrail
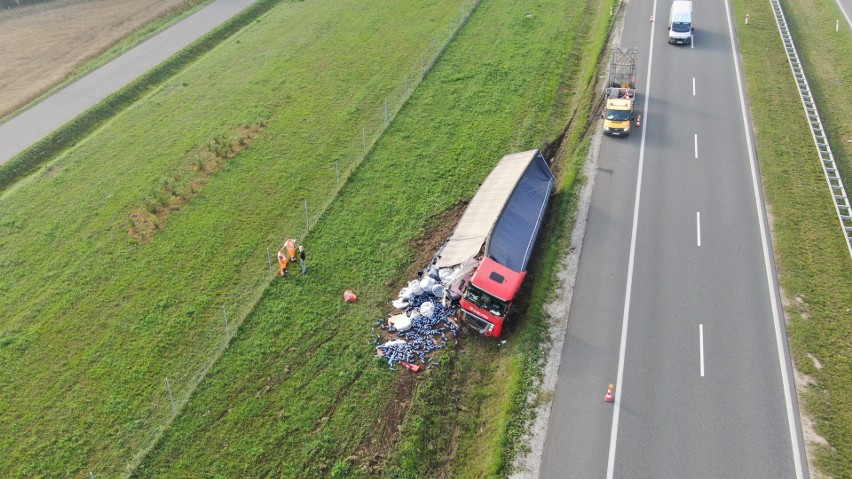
{"x": 832, "y": 174}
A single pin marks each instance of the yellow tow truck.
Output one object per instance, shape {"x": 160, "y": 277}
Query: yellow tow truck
{"x": 620, "y": 92}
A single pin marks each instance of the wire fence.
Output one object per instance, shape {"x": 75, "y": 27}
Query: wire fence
{"x": 178, "y": 385}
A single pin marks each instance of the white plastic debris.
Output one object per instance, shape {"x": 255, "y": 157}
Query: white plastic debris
{"x": 380, "y": 350}
{"x": 433, "y": 272}
{"x": 438, "y": 290}
{"x": 426, "y": 283}
{"x": 445, "y": 273}
{"x": 406, "y": 294}
{"x": 427, "y": 309}
{"x": 400, "y": 303}
{"x": 401, "y": 322}
{"x": 415, "y": 288}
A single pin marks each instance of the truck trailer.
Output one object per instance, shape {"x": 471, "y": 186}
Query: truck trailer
{"x": 494, "y": 240}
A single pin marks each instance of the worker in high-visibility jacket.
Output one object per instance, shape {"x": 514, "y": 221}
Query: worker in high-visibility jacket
{"x": 283, "y": 261}
{"x": 290, "y": 245}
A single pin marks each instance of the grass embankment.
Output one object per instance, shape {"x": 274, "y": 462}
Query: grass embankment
{"x": 94, "y": 322}
{"x": 814, "y": 264}
{"x": 298, "y": 393}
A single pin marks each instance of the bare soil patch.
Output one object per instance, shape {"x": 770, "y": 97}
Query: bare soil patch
{"x": 44, "y": 44}
{"x": 439, "y": 230}
{"x": 372, "y": 456}
{"x": 176, "y": 190}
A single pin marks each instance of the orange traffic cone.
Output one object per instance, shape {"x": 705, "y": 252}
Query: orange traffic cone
{"x": 608, "y": 397}
{"x": 638, "y": 121}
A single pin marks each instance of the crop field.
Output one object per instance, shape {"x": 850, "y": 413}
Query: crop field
{"x": 813, "y": 262}
{"x": 46, "y": 41}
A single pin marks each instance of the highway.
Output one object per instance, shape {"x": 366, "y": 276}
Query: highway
{"x": 27, "y": 128}
{"x": 676, "y": 298}
{"x": 845, "y": 7}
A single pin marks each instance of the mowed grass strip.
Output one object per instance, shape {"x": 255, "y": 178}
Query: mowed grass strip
{"x": 298, "y": 394}
{"x": 93, "y": 322}
{"x": 814, "y": 264}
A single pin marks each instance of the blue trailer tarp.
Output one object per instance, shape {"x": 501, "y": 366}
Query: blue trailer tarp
{"x": 514, "y": 234}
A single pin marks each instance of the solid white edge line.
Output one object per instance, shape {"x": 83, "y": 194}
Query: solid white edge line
{"x": 696, "y": 146}
{"x": 613, "y": 435}
{"x": 701, "y": 346}
{"x": 770, "y": 280}
{"x": 693, "y": 86}
{"x": 698, "y": 225}
{"x": 843, "y": 11}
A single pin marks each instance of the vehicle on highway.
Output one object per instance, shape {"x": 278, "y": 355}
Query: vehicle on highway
{"x": 680, "y": 22}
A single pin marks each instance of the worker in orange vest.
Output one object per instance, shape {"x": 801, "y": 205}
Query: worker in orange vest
{"x": 283, "y": 261}
{"x": 291, "y": 249}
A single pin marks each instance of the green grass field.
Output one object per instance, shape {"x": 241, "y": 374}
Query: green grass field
{"x": 814, "y": 264}
{"x": 93, "y": 322}
{"x": 298, "y": 394}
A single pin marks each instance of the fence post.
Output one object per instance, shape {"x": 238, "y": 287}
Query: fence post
{"x": 386, "y": 112}
{"x": 227, "y": 329}
{"x": 171, "y": 398}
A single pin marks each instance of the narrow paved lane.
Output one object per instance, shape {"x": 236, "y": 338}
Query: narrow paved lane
{"x": 29, "y": 127}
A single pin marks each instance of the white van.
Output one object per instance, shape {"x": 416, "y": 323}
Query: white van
{"x": 680, "y": 22}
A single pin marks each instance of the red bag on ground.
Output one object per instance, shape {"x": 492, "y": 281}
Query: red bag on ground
{"x": 349, "y": 296}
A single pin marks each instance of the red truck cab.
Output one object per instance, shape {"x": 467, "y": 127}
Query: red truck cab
{"x": 489, "y": 295}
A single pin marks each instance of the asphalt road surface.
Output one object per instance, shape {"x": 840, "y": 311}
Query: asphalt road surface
{"x": 29, "y": 127}
{"x": 676, "y": 300}
{"x": 845, "y": 7}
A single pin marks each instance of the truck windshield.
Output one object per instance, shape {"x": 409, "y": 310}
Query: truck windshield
{"x": 493, "y": 305}
{"x": 680, "y": 27}
{"x": 618, "y": 115}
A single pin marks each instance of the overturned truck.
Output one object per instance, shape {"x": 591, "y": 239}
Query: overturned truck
{"x": 492, "y": 244}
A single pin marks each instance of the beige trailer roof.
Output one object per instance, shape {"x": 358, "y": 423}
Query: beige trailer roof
{"x": 485, "y": 208}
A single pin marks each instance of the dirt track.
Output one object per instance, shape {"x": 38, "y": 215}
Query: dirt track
{"x": 44, "y": 43}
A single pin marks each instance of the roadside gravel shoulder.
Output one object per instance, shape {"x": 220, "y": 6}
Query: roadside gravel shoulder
{"x": 527, "y": 465}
